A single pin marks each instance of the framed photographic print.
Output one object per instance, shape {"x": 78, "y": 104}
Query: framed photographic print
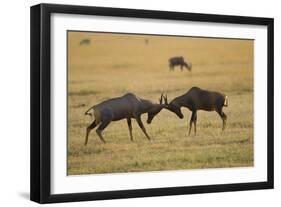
{"x": 133, "y": 103}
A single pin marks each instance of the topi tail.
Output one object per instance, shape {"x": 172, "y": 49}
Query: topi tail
{"x": 225, "y": 101}
{"x": 87, "y": 112}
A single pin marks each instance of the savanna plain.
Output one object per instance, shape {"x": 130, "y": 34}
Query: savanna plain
{"x": 110, "y": 65}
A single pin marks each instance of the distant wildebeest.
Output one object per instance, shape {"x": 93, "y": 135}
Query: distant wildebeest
{"x": 175, "y": 61}
{"x": 198, "y": 99}
{"x": 85, "y": 42}
{"x": 125, "y": 107}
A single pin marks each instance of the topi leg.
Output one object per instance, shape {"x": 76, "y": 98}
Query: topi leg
{"x": 192, "y": 120}
{"x": 99, "y": 130}
{"x": 142, "y": 127}
{"x": 223, "y": 117}
{"x": 195, "y": 121}
{"x": 130, "y": 128}
{"x": 88, "y": 130}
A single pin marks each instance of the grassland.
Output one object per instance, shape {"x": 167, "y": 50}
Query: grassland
{"x": 113, "y": 65}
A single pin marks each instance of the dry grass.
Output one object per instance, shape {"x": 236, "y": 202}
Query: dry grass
{"x": 115, "y": 64}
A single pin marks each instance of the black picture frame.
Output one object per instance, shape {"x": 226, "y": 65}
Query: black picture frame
{"x": 41, "y": 99}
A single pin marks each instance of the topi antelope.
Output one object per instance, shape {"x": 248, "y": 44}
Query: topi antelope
{"x": 125, "y": 107}
{"x": 85, "y": 42}
{"x": 174, "y": 61}
{"x": 198, "y": 99}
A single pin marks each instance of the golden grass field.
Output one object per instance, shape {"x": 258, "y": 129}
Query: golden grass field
{"x": 114, "y": 64}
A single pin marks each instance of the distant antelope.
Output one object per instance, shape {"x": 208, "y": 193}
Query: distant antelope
{"x": 198, "y": 99}
{"x": 85, "y": 42}
{"x": 174, "y": 61}
{"x": 125, "y": 107}
{"x": 146, "y": 41}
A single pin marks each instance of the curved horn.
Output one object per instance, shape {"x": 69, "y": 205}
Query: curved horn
{"x": 161, "y": 99}
{"x": 166, "y": 99}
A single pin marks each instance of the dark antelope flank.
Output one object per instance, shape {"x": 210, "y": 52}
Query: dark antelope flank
{"x": 174, "y": 61}
{"x": 125, "y": 107}
{"x": 198, "y": 99}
